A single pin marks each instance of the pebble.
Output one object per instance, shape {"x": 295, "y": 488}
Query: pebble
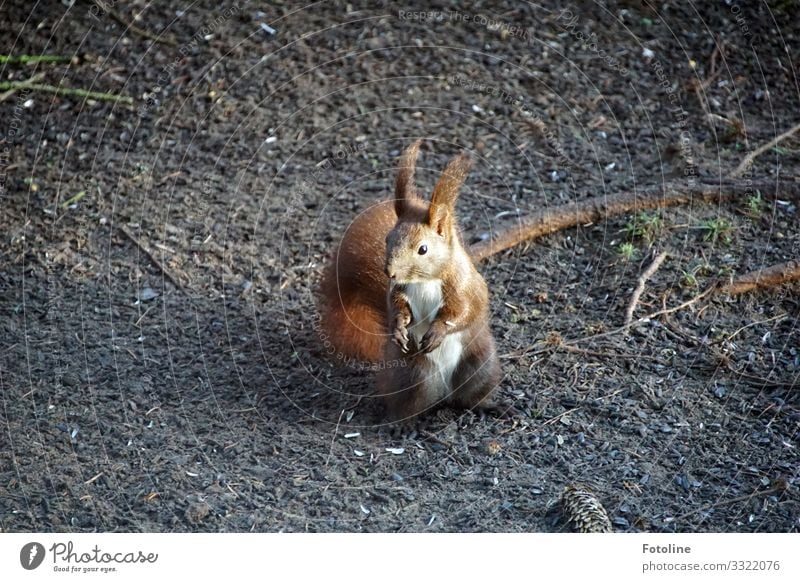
{"x": 621, "y": 522}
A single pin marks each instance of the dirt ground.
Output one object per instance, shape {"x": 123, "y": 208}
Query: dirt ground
{"x": 160, "y": 364}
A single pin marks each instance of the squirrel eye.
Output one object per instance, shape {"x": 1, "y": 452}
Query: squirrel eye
{"x": 423, "y": 249}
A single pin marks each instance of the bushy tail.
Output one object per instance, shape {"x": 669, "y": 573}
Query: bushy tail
{"x": 355, "y": 331}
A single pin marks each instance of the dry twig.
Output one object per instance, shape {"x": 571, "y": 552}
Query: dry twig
{"x": 106, "y": 8}
{"x": 637, "y": 293}
{"x": 779, "y": 487}
{"x": 763, "y": 278}
{"x": 748, "y": 160}
{"x": 146, "y": 250}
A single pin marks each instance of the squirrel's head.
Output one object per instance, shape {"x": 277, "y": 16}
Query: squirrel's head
{"x": 421, "y": 244}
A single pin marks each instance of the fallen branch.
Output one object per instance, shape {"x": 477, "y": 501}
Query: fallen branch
{"x": 637, "y": 293}
{"x": 552, "y": 220}
{"x": 27, "y": 59}
{"x": 63, "y": 91}
{"x": 763, "y": 278}
{"x": 750, "y": 158}
{"x": 107, "y": 9}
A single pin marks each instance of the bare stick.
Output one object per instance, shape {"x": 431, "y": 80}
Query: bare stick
{"x": 763, "y": 278}
{"x": 646, "y": 318}
{"x": 763, "y": 382}
{"x": 130, "y": 26}
{"x": 751, "y": 324}
{"x": 552, "y": 220}
{"x": 26, "y": 59}
{"x": 750, "y": 158}
{"x": 146, "y": 250}
{"x": 22, "y": 85}
{"x": 569, "y": 347}
{"x": 333, "y": 438}
{"x": 597, "y": 354}
{"x": 637, "y": 293}
{"x": 37, "y": 77}
{"x": 777, "y": 488}
{"x": 683, "y": 305}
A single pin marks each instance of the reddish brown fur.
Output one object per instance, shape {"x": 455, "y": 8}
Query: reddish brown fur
{"x": 405, "y": 190}
{"x": 361, "y": 311}
{"x": 407, "y": 388}
{"x": 354, "y": 286}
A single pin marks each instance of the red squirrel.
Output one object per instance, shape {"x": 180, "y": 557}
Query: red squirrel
{"x": 402, "y": 288}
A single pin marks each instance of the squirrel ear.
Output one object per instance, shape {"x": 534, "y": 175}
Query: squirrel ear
{"x": 404, "y": 188}
{"x": 443, "y": 200}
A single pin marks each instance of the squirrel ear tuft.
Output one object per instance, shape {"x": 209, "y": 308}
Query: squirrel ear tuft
{"x": 445, "y": 194}
{"x": 404, "y": 188}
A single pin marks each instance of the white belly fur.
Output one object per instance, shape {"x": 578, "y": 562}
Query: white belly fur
{"x": 425, "y": 300}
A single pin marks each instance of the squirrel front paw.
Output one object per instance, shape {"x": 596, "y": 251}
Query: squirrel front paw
{"x": 433, "y": 337}
{"x": 400, "y": 336}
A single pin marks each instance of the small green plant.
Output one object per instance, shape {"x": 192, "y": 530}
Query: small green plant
{"x": 724, "y": 271}
{"x": 755, "y": 203}
{"x": 704, "y": 269}
{"x": 689, "y": 279}
{"x": 718, "y": 229}
{"x": 645, "y": 225}
{"x": 627, "y": 251}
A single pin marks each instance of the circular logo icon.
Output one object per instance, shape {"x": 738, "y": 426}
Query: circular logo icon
{"x": 31, "y": 555}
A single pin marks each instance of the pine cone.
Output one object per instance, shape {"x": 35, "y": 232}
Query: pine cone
{"x": 584, "y": 511}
